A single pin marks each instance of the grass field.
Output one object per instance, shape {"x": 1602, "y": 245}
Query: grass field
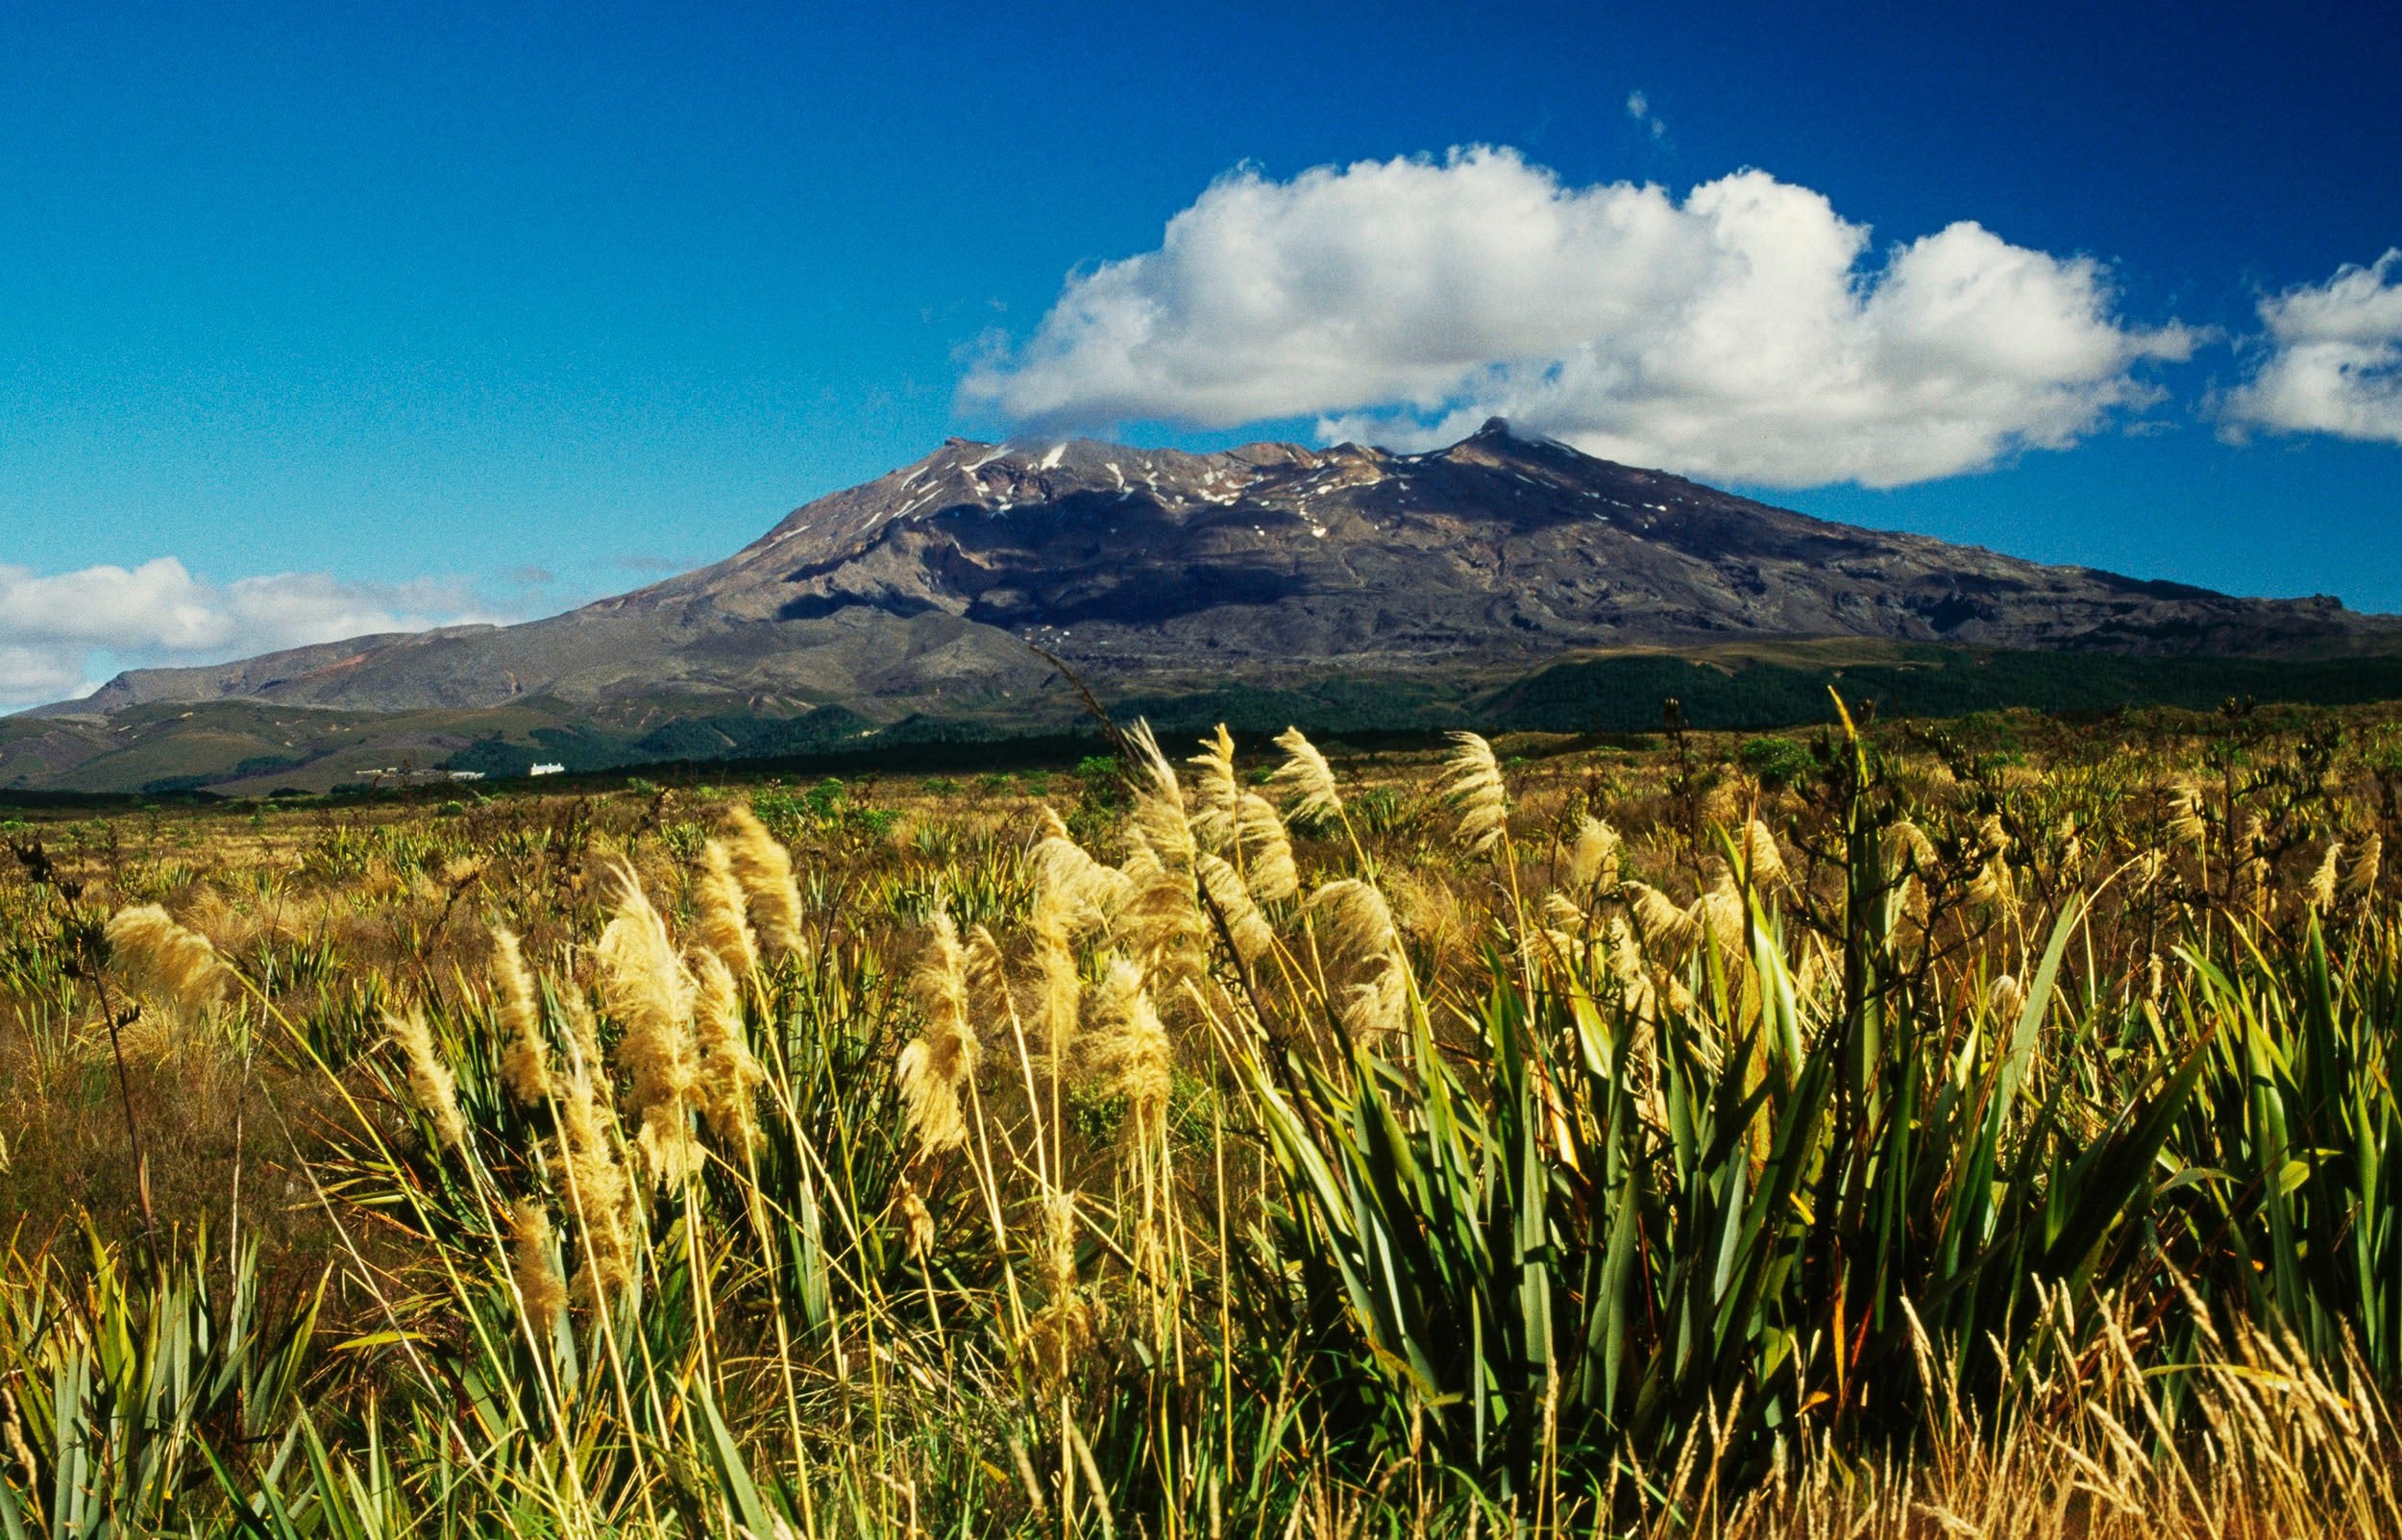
{"x": 1983, "y": 1129}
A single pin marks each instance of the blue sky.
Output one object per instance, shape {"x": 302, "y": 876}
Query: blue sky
{"x": 317, "y": 318}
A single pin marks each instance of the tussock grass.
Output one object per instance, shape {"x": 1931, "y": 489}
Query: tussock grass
{"x": 1892, "y": 1134}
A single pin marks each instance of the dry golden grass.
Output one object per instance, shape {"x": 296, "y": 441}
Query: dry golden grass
{"x": 950, "y": 1147}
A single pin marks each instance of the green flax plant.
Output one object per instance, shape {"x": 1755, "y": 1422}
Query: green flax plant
{"x": 1604, "y": 1218}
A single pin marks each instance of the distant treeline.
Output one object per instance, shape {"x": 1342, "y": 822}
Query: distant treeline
{"x": 1624, "y": 695}
{"x": 1620, "y": 694}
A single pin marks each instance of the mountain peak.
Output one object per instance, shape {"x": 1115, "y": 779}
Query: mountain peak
{"x": 1261, "y": 564}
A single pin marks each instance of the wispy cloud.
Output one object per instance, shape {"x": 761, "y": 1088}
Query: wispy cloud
{"x": 2331, "y": 359}
{"x": 55, "y": 628}
{"x": 1742, "y": 334}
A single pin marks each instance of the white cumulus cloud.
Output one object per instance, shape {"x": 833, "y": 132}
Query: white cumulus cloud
{"x": 2332, "y": 361}
{"x": 53, "y": 628}
{"x": 1742, "y": 334}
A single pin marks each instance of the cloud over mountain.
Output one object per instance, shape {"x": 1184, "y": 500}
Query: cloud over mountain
{"x": 2334, "y": 360}
{"x": 1743, "y": 333}
{"x": 50, "y": 626}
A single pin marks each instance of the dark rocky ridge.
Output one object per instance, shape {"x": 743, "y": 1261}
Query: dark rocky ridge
{"x": 1154, "y": 569}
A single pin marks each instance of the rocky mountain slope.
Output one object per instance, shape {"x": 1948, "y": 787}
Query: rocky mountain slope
{"x": 1152, "y": 569}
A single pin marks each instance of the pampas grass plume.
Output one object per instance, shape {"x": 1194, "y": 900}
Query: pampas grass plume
{"x": 430, "y": 1082}
{"x": 2006, "y": 999}
{"x": 765, "y": 870}
{"x": 1305, "y": 774}
{"x": 1907, "y": 846}
{"x": 717, "y": 911}
{"x": 917, "y": 1221}
{"x": 1359, "y": 926}
{"x": 538, "y": 1283}
{"x": 525, "y": 1058}
{"x": 1763, "y": 862}
{"x": 1476, "y": 785}
{"x": 1159, "y": 814}
{"x": 987, "y": 974}
{"x": 165, "y": 963}
{"x": 729, "y": 1075}
{"x": 598, "y": 1194}
{"x": 646, "y": 986}
{"x": 1250, "y": 931}
{"x": 1065, "y": 1328}
{"x": 1720, "y": 912}
{"x": 937, "y": 1063}
{"x": 1129, "y": 1039}
{"x": 1593, "y": 860}
{"x": 1215, "y": 792}
{"x": 1267, "y": 849}
{"x": 2362, "y": 875}
{"x": 1666, "y": 926}
{"x": 2322, "y": 883}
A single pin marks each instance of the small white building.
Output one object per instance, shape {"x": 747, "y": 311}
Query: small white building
{"x": 548, "y": 770}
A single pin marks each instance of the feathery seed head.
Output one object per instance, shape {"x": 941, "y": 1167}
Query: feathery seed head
{"x": 538, "y": 1285}
{"x": 917, "y": 1221}
{"x": 1476, "y": 786}
{"x": 937, "y": 1063}
{"x": 1993, "y": 883}
{"x": 1215, "y": 791}
{"x": 765, "y": 870}
{"x": 1130, "y": 1043}
{"x": 1059, "y": 993}
{"x": 430, "y": 1083}
{"x": 1593, "y": 860}
{"x": 1250, "y": 931}
{"x": 1082, "y": 891}
{"x": 717, "y": 911}
{"x": 596, "y": 1192}
{"x": 1266, "y": 849}
{"x": 2360, "y": 877}
{"x": 525, "y": 1058}
{"x": 1360, "y": 928}
{"x": 1765, "y": 864}
{"x": 1159, "y": 813}
{"x": 729, "y": 1074}
{"x": 1719, "y": 912}
{"x": 165, "y": 963}
{"x": 2322, "y": 883}
{"x": 643, "y": 984}
{"x": 1358, "y": 920}
{"x": 1626, "y": 953}
{"x": 1908, "y": 848}
{"x": 1065, "y": 1328}
{"x": 1666, "y": 927}
{"x": 988, "y": 976}
{"x": 1305, "y": 774}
